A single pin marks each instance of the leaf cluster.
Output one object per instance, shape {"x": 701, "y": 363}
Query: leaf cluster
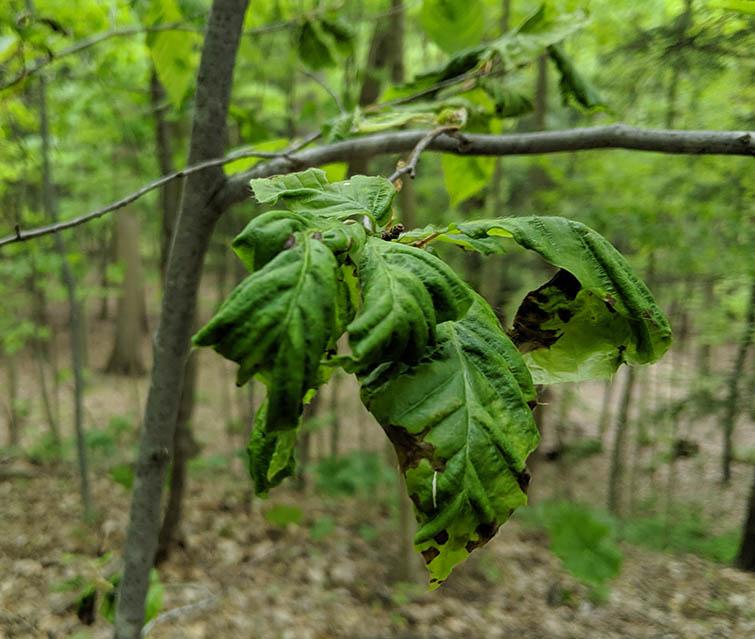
{"x": 332, "y": 284}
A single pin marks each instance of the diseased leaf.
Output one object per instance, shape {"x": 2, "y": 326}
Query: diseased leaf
{"x": 405, "y": 291}
{"x": 309, "y": 191}
{"x": 266, "y": 235}
{"x": 453, "y": 24}
{"x": 588, "y": 325}
{"x": 279, "y": 321}
{"x": 270, "y": 453}
{"x": 462, "y": 428}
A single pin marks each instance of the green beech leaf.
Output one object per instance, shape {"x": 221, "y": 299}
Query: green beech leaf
{"x": 265, "y": 236}
{"x": 462, "y": 428}
{"x": 173, "y": 53}
{"x": 406, "y": 291}
{"x": 315, "y": 48}
{"x": 586, "y": 323}
{"x": 270, "y": 453}
{"x": 543, "y": 29}
{"x": 465, "y": 176}
{"x": 452, "y": 235}
{"x": 321, "y": 41}
{"x": 279, "y": 322}
{"x": 453, "y": 24}
{"x": 309, "y": 191}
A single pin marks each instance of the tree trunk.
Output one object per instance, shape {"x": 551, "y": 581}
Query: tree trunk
{"x": 126, "y": 356}
{"x": 170, "y": 194}
{"x": 617, "y": 454}
{"x": 50, "y": 204}
{"x": 605, "y": 409}
{"x": 379, "y": 57}
{"x": 184, "y": 448}
{"x": 732, "y": 398}
{"x": 335, "y": 429}
{"x": 199, "y": 213}
{"x": 14, "y": 421}
{"x": 746, "y": 555}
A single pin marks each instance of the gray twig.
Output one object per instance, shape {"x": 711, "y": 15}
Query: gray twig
{"x": 410, "y": 167}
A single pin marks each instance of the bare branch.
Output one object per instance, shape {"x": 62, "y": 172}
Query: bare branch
{"x": 410, "y": 167}
{"x": 88, "y": 43}
{"x": 21, "y": 236}
{"x": 616, "y": 136}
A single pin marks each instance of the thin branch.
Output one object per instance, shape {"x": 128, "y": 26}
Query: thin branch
{"x": 88, "y": 43}
{"x": 616, "y": 136}
{"x": 21, "y": 236}
{"x": 324, "y": 85}
{"x": 410, "y": 167}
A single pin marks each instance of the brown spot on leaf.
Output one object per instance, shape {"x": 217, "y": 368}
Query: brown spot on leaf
{"x": 442, "y": 537}
{"x": 411, "y": 449}
{"x": 430, "y": 554}
{"x": 528, "y": 333}
{"x": 523, "y": 479}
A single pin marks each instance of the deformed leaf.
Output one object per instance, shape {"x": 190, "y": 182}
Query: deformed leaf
{"x": 266, "y": 235}
{"x": 279, "y": 321}
{"x": 406, "y": 291}
{"x": 462, "y": 427}
{"x": 588, "y": 323}
{"x": 270, "y": 453}
{"x": 309, "y": 191}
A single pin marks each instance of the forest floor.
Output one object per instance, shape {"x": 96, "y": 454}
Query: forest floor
{"x": 240, "y": 576}
{"x": 337, "y": 572}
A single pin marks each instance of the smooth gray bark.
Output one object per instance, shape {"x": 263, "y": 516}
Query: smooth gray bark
{"x": 198, "y": 215}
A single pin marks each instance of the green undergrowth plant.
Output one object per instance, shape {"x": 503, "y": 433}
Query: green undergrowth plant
{"x": 583, "y": 538}
{"x": 452, "y": 390}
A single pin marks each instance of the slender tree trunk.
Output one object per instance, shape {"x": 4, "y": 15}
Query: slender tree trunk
{"x": 49, "y": 202}
{"x": 617, "y": 454}
{"x": 126, "y": 356}
{"x": 14, "y": 420}
{"x": 703, "y": 355}
{"x": 170, "y": 194}
{"x": 197, "y": 218}
{"x": 746, "y": 555}
{"x": 640, "y": 437}
{"x": 335, "y": 429}
{"x": 52, "y": 422}
{"x": 605, "y": 409}
{"x": 304, "y": 445}
{"x": 732, "y": 398}
{"x": 379, "y": 57}
{"x": 184, "y": 448}
{"x": 102, "y": 314}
